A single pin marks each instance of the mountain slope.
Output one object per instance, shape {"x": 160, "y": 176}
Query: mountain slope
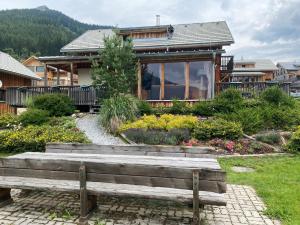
{"x": 39, "y": 31}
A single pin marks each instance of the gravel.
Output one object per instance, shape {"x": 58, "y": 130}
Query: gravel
{"x": 90, "y": 126}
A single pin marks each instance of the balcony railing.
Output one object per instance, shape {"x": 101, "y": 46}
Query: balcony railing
{"x": 251, "y": 89}
{"x": 81, "y": 95}
{"x": 226, "y": 64}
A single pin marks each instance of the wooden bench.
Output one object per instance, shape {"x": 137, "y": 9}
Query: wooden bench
{"x": 187, "y": 180}
{"x": 150, "y": 150}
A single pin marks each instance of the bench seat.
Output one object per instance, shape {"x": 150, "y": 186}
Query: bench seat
{"x": 110, "y": 189}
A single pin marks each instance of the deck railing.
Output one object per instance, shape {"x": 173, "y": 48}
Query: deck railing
{"x": 81, "y": 95}
{"x": 251, "y": 89}
{"x": 2, "y": 95}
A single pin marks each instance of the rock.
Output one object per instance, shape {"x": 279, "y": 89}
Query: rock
{"x": 240, "y": 169}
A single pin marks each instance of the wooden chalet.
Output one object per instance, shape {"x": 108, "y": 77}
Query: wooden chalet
{"x": 12, "y": 74}
{"x": 183, "y": 61}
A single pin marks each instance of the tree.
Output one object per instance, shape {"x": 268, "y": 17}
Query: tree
{"x": 116, "y": 69}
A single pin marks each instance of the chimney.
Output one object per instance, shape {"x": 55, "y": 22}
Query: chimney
{"x": 157, "y": 20}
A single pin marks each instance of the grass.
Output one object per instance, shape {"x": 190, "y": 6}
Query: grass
{"x": 3, "y": 155}
{"x": 276, "y": 180}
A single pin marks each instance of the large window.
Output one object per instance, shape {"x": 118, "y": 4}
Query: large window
{"x": 40, "y": 69}
{"x": 178, "y": 80}
{"x": 151, "y": 81}
{"x": 174, "y": 81}
{"x": 200, "y": 80}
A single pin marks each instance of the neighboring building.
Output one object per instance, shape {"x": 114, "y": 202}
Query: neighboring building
{"x": 12, "y": 74}
{"x": 176, "y": 61}
{"x": 255, "y": 70}
{"x": 290, "y": 72}
{"x": 55, "y": 76}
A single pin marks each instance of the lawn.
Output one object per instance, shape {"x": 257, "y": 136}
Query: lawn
{"x": 2, "y": 155}
{"x": 276, "y": 180}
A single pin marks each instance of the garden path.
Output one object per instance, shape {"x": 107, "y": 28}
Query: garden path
{"x": 89, "y": 124}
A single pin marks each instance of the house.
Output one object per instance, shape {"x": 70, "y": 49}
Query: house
{"x": 254, "y": 70}
{"x": 290, "y": 72}
{"x": 55, "y": 75}
{"x": 12, "y": 74}
{"x": 182, "y": 61}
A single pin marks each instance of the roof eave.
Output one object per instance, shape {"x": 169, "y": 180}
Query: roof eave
{"x": 21, "y": 75}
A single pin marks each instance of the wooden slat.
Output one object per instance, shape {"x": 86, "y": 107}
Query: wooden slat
{"x": 184, "y": 196}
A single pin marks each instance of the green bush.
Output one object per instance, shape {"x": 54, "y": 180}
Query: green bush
{"x": 179, "y": 107}
{"x": 55, "y": 104}
{"x": 34, "y": 138}
{"x": 283, "y": 118}
{"x": 250, "y": 119}
{"x": 8, "y": 121}
{"x": 294, "y": 143}
{"x": 158, "y": 137}
{"x": 228, "y": 101}
{"x": 217, "y": 128}
{"x": 269, "y": 138}
{"x": 34, "y": 117}
{"x": 203, "y": 108}
{"x": 116, "y": 110}
{"x": 275, "y": 96}
{"x": 144, "y": 108}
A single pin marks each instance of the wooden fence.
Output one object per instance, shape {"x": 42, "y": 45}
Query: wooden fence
{"x": 251, "y": 89}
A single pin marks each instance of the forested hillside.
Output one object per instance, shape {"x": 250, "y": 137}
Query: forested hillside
{"x": 39, "y": 31}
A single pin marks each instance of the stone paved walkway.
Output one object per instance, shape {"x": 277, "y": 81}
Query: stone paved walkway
{"x": 49, "y": 208}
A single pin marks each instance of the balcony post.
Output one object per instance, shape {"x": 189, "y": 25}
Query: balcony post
{"x": 72, "y": 73}
{"x": 58, "y": 76}
{"x": 45, "y": 75}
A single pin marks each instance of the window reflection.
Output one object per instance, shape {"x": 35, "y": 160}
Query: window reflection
{"x": 200, "y": 80}
{"x": 174, "y": 80}
{"x": 151, "y": 81}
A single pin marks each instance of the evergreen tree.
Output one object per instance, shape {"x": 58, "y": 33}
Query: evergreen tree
{"x": 116, "y": 70}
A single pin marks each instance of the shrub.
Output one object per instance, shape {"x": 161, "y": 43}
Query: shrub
{"x": 144, "y": 108}
{"x": 158, "y": 137}
{"x": 179, "y": 107}
{"x": 250, "y": 119}
{"x": 269, "y": 138}
{"x": 116, "y": 110}
{"x": 228, "y": 101}
{"x": 203, "y": 108}
{"x": 34, "y": 117}
{"x": 164, "y": 122}
{"x": 8, "y": 121}
{"x": 275, "y": 96}
{"x": 34, "y": 138}
{"x": 55, "y": 104}
{"x": 294, "y": 143}
{"x": 217, "y": 128}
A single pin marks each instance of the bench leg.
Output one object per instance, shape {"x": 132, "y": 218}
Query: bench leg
{"x": 196, "y": 206}
{"x": 5, "y": 197}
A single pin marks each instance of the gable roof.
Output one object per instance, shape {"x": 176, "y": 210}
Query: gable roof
{"x": 10, "y": 65}
{"x": 185, "y": 35}
{"x": 259, "y": 65}
{"x": 293, "y": 66}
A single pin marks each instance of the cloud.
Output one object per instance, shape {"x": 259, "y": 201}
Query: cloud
{"x": 261, "y": 29}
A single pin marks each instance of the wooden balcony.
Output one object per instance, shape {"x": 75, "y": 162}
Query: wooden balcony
{"x": 81, "y": 95}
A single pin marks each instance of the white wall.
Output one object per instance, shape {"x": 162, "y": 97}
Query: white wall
{"x": 84, "y": 77}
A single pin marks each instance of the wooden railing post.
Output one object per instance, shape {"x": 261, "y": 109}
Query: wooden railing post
{"x": 196, "y": 201}
{"x": 83, "y": 196}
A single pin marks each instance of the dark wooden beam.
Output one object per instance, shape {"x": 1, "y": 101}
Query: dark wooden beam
{"x": 45, "y": 75}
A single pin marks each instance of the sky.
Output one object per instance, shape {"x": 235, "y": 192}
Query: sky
{"x": 261, "y": 28}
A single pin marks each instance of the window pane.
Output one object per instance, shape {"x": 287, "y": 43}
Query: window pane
{"x": 200, "y": 80}
{"x": 31, "y": 68}
{"x": 174, "y": 81}
{"x": 151, "y": 81}
{"x": 39, "y": 69}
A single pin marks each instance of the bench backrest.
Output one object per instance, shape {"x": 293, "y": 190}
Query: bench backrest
{"x": 149, "y": 150}
{"x": 136, "y": 170}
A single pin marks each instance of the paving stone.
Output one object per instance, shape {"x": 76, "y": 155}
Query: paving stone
{"x": 244, "y": 208}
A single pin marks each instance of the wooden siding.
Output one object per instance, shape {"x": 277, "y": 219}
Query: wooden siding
{"x": 5, "y": 108}
{"x": 10, "y": 80}
{"x": 148, "y": 35}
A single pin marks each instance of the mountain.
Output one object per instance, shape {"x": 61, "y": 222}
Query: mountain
{"x": 40, "y": 31}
